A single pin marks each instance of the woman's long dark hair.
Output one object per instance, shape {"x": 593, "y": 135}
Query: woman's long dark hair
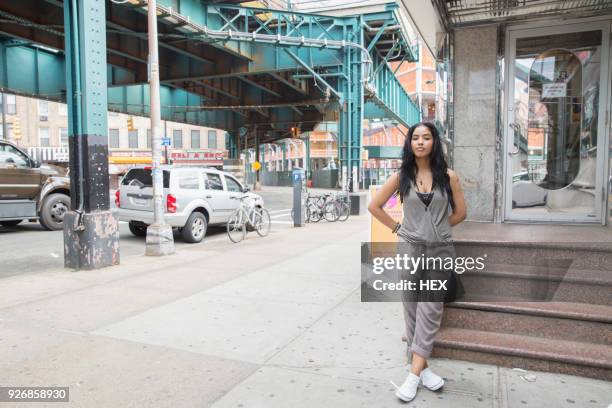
{"x": 436, "y": 160}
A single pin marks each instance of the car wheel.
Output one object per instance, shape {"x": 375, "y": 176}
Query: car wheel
{"x": 140, "y": 230}
{"x": 11, "y": 223}
{"x": 194, "y": 230}
{"x": 53, "y": 210}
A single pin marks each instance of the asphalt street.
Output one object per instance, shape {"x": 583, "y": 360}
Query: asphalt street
{"x": 28, "y": 248}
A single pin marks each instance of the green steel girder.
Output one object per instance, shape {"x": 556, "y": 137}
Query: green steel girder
{"x": 249, "y": 78}
{"x": 86, "y": 96}
{"x": 379, "y": 34}
{"x": 351, "y": 112}
{"x": 389, "y": 99}
{"x": 316, "y": 76}
{"x": 260, "y": 86}
{"x": 32, "y": 71}
{"x": 231, "y": 145}
{"x": 175, "y": 103}
{"x": 384, "y": 152}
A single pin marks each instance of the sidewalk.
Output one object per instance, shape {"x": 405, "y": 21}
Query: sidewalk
{"x": 269, "y": 322}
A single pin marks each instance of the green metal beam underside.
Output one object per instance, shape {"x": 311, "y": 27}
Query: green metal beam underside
{"x": 384, "y": 152}
{"x": 176, "y": 105}
{"x": 46, "y": 78}
{"x": 30, "y": 70}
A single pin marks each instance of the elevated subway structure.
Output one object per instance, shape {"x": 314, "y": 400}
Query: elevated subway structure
{"x": 254, "y": 72}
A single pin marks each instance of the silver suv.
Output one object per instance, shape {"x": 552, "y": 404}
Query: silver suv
{"x": 194, "y": 198}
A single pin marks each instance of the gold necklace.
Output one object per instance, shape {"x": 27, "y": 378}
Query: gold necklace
{"x": 420, "y": 181}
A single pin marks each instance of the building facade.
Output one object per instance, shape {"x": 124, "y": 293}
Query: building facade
{"x": 41, "y": 127}
{"x": 527, "y": 105}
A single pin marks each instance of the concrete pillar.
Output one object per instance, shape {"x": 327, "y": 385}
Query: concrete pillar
{"x": 475, "y": 129}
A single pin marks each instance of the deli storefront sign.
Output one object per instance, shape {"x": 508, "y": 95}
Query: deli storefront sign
{"x": 206, "y": 157}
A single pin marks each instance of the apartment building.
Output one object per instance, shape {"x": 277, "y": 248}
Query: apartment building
{"x": 41, "y": 127}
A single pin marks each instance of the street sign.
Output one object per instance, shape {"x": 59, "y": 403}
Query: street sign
{"x": 165, "y": 141}
{"x": 256, "y": 166}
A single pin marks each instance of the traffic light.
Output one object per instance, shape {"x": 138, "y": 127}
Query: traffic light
{"x": 295, "y": 132}
{"x": 16, "y": 129}
{"x": 130, "y": 123}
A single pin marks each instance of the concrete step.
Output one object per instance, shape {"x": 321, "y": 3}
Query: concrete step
{"x": 527, "y": 352}
{"x": 553, "y": 320}
{"x": 572, "y": 243}
{"x": 529, "y": 287}
{"x": 579, "y": 255}
{"x": 564, "y": 273}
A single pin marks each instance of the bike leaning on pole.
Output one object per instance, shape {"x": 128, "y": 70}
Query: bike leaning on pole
{"x": 248, "y": 217}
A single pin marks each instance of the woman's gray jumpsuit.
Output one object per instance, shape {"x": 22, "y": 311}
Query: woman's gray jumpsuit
{"x": 422, "y": 224}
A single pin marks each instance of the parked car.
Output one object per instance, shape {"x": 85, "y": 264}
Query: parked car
{"x": 528, "y": 194}
{"x": 31, "y": 191}
{"x": 522, "y": 176}
{"x": 193, "y": 199}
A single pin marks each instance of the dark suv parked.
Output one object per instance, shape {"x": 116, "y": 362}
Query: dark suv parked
{"x": 31, "y": 191}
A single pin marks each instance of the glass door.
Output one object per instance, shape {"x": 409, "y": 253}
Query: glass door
{"x": 556, "y": 99}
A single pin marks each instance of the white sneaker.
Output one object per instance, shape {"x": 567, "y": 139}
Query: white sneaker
{"x": 408, "y": 390}
{"x": 431, "y": 380}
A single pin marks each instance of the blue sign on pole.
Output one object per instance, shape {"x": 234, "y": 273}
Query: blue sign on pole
{"x": 165, "y": 141}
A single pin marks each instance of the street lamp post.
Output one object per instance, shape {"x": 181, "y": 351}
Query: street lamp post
{"x": 159, "y": 234}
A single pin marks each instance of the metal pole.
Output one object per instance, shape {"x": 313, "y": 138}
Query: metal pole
{"x": 166, "y": 147}
{"x": 159, "y": 235}
{"x": 4, "y": 124}
{"x": 155, "y": 113}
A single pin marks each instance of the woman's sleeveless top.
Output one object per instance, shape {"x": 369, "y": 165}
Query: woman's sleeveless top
{"x": 426, "y": 223}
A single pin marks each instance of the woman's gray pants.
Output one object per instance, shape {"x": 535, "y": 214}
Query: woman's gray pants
{"x": 422, "y": 323}
{"x": 422, "y": 319}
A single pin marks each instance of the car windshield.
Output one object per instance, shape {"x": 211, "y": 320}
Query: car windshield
{"x": 142, "y": 178}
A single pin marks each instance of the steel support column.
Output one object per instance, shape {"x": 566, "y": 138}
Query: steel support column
{"x": 351, "y": 114}
{"x": 307, "y": 157}
{"x": 233, "y": 141}
{"x": 256, "y": 183}
{"x": 262, "y": 155}
{"x": 91, "y": 237}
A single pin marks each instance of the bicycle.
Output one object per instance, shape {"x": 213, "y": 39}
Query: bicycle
{"x": 344, "y": 200}
{"x": 342, "y": 207}
{"x": 322, "y": 206}
{"x": 326, "y": 206}
{"x": 248, "y": 217}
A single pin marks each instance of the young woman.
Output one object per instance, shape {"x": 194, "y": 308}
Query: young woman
{"x": 432, "y": 202}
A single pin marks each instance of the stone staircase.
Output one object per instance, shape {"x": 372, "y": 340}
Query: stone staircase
{"x": 537, "y": 305}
